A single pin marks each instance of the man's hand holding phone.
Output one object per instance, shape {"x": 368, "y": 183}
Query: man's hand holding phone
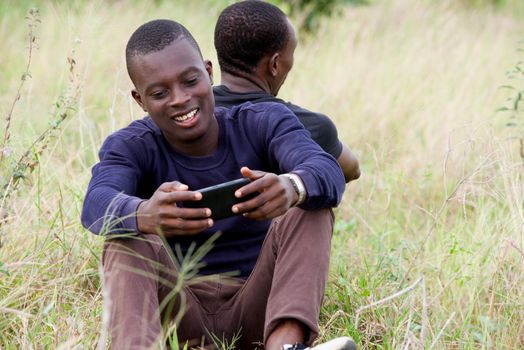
{"x": 161, "y": 215}
{"x": 259, "y": 196}
{"x": 276, "y": 196}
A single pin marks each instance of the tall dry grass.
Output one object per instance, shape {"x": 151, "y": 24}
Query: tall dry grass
{"x": 429, "y": 243}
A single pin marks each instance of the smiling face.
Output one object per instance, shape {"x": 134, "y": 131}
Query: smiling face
{"x": 173, "y": 86}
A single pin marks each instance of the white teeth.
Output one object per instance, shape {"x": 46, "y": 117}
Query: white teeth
{"x": 183, "y": 118}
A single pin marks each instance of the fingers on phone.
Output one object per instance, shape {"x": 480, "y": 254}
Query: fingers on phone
{"x": 251, "y": 188}
{"x": 181, "y": 196}
{"x": 251, "y": 173}
{"x": 194, "y": 226}
{"x": 266, "y": 205}
{"x": 173, "y": 186}
{"x": 181, "y": 226}
{"x": 194, "y": 213}
{"x": 249, "y": 205}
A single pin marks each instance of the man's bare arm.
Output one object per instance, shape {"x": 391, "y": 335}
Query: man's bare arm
{"x": 349, "y": 164}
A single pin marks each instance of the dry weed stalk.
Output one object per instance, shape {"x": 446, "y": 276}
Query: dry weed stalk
{"x": 408, "y": 341}
{"x": 33, "y": 19}
{"x": 62, "y": 109}
{"x": 437, "y": 337}
{"x": 385, "y": 300}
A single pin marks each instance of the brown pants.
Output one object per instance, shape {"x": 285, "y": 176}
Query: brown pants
{"x": 287, "y": 282}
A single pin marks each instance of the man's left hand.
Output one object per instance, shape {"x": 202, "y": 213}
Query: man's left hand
{"x": 276, "y": 196}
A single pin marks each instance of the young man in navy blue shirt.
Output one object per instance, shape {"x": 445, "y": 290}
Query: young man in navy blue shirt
{"x": 277, "y": 245}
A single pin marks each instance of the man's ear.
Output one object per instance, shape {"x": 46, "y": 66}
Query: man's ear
{"x": 273, "y": 64}
{"x": 138, "y": 99}
{"x": 209, "y": 69}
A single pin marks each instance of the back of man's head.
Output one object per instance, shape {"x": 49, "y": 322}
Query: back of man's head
{"x": 154, "y": 36}
{"x": 247, "y": 31}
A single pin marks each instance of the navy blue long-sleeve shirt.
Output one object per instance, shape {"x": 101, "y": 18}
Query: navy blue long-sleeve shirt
{"x": 136, "y": 160}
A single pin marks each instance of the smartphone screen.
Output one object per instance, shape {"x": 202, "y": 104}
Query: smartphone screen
{"x": 220, "y": 198}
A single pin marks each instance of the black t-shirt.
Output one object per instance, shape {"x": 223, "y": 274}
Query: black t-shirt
{"x": 323, "y": 130}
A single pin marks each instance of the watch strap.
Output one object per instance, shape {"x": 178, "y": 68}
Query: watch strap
{"x": 298, "y": 186}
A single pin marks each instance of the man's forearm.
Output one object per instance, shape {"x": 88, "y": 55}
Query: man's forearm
{"x": 108, "y": 212}
{"x": 349, "y": 164}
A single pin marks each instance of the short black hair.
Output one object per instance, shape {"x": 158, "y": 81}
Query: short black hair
{"x": 247, "y": 31}
{"x": 154, "y": 36}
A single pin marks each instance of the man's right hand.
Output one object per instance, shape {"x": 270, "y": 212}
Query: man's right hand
{"x": 160, "y": 214}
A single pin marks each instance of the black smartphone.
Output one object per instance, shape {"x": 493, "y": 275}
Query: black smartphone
{"x": 220, "y": 198}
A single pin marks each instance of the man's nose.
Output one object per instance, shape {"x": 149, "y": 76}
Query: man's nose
{"x": 179, "y": 97}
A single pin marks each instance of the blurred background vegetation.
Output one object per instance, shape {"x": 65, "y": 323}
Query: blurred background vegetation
{"x": 429, "y": 243}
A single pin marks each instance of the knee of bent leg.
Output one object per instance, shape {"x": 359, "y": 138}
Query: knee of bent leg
{"x": 143, "y": 246}
{"x": 326, "y": 216}
{"x": 320, "y": 218}
{"x": 317, "y": 222}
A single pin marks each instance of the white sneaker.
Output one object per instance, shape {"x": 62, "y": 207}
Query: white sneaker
{"x": 342, "y": 343}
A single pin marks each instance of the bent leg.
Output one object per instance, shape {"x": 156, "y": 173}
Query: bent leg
{"x": 301, "y": 270}
{"x": 138, "y": 275}
{"x": 289, "y": 278}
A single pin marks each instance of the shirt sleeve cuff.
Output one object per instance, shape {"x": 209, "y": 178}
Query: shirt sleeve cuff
{"x": 129, "y": 213}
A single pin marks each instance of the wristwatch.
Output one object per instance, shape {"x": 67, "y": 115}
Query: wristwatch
{"x": 298, "y": 186}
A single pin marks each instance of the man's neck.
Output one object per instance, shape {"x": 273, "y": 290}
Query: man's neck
{"x": 244, "y": 83}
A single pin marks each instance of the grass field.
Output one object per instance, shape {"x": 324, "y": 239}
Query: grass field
{"x": 429, "y": 243}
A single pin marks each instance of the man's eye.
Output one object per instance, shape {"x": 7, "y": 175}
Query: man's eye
{"x": 192, "y": 81}
{"x": 159, "y": 94}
